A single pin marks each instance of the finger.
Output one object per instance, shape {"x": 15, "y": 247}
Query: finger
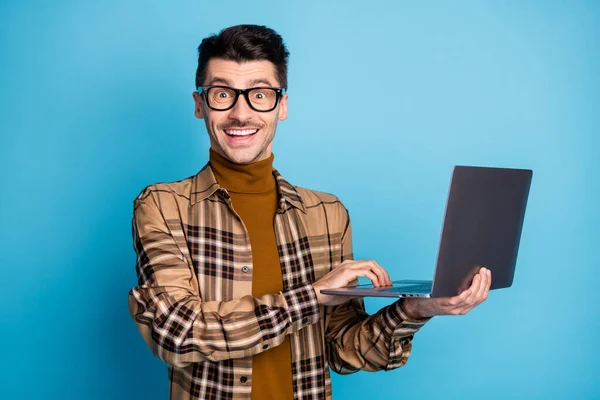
{"x": 474, "y": 289}
{"x": 482, "y": 291}
{"x": 483, "y": 287}
{"x": 486, "y": 290}
{"x": 381, "y": 273}
{"x": 478, "y": 290}
{"x": 372, "y": 266}
{"x": 350, "y": 275}
{"x": 369, "y": 265}
{"x": 456, "y": 301}
{"x": 462, "y": 310}
{"x": 388, "y": 281}
{"x": 370, "y": 275}
{"x": 475, "y": 282}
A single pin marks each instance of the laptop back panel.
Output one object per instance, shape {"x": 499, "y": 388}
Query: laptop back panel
{"x": 482, "y": 227}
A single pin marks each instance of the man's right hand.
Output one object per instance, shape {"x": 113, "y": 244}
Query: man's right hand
{"x": 345, "y": 273}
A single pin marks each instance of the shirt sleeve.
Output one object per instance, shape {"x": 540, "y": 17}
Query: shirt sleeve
{"x": 178, "y": 326}
{"x": 358, "y": 341}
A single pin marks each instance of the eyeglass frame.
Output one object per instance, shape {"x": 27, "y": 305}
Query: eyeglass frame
{"x": 279, "y": 91}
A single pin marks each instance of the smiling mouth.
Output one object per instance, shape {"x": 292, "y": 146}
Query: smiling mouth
{"x": 240, "y": 132}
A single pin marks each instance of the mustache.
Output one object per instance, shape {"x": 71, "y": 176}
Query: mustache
{"x": 237, "y": 125}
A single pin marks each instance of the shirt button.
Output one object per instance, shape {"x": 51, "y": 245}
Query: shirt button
{"x": 243, "y": 379}
{"x": 245, "y": 269}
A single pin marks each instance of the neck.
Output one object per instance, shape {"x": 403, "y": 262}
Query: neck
{"x": 254, "y": 178}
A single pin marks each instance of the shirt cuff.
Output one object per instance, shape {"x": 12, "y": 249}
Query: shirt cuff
{"x": 303, "y": 306}
{"x": 400, "y": 323}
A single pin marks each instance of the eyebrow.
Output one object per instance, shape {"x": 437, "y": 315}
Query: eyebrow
{"x": 252, "y": 83}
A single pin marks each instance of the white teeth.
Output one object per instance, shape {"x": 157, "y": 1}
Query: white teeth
{"x": 239, "y": 132}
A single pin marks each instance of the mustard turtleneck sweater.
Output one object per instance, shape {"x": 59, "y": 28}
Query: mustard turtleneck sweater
{"x": 253, "y": 194}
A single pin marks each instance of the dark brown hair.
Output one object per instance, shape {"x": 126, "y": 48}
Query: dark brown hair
{"x": 244, "y": 43}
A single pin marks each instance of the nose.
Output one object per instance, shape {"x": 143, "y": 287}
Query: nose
{"x": 241, "y": 111}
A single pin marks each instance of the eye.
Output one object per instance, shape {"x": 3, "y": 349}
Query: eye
{"x": 222, "y": 94}
{"x": 259, "y": 95}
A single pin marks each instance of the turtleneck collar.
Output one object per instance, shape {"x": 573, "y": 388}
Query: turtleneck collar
{"x": 255, "y": 178}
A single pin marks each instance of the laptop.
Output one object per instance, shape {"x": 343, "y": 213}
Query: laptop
{"x": 482, "y": 227}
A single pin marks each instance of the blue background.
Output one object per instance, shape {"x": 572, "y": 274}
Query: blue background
{"x": 385, "y": 97}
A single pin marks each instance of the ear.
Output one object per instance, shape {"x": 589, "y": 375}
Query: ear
{"x": 283, "y": 107}
{"x": 198, "y": 105}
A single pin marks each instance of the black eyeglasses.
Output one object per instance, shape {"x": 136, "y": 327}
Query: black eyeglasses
{"x": 223, "y": 98}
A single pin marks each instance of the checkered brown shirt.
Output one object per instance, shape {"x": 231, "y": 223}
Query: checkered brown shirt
{"x": 193, "y": 303}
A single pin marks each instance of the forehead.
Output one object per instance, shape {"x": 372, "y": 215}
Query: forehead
{"x": 240, "y": 75}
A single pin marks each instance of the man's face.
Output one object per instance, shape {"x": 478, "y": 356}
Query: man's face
{"x": 228, "y": 130}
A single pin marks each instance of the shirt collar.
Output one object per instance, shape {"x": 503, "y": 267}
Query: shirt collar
{"x": 204, "y": 185}
{"x": 287, "y": 193}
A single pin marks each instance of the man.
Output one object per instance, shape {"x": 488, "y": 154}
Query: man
{"x": 231, "y": 261}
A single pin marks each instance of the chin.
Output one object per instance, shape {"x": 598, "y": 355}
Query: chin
{"x": 242, "y": 157}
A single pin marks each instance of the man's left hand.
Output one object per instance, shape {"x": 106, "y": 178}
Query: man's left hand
{"x": 457, "y": 305}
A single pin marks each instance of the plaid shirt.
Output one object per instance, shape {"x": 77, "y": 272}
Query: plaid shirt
{"x": 194, "y": 306}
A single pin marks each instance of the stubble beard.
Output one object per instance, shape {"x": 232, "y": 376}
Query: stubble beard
{"x": 245, "y": 155}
